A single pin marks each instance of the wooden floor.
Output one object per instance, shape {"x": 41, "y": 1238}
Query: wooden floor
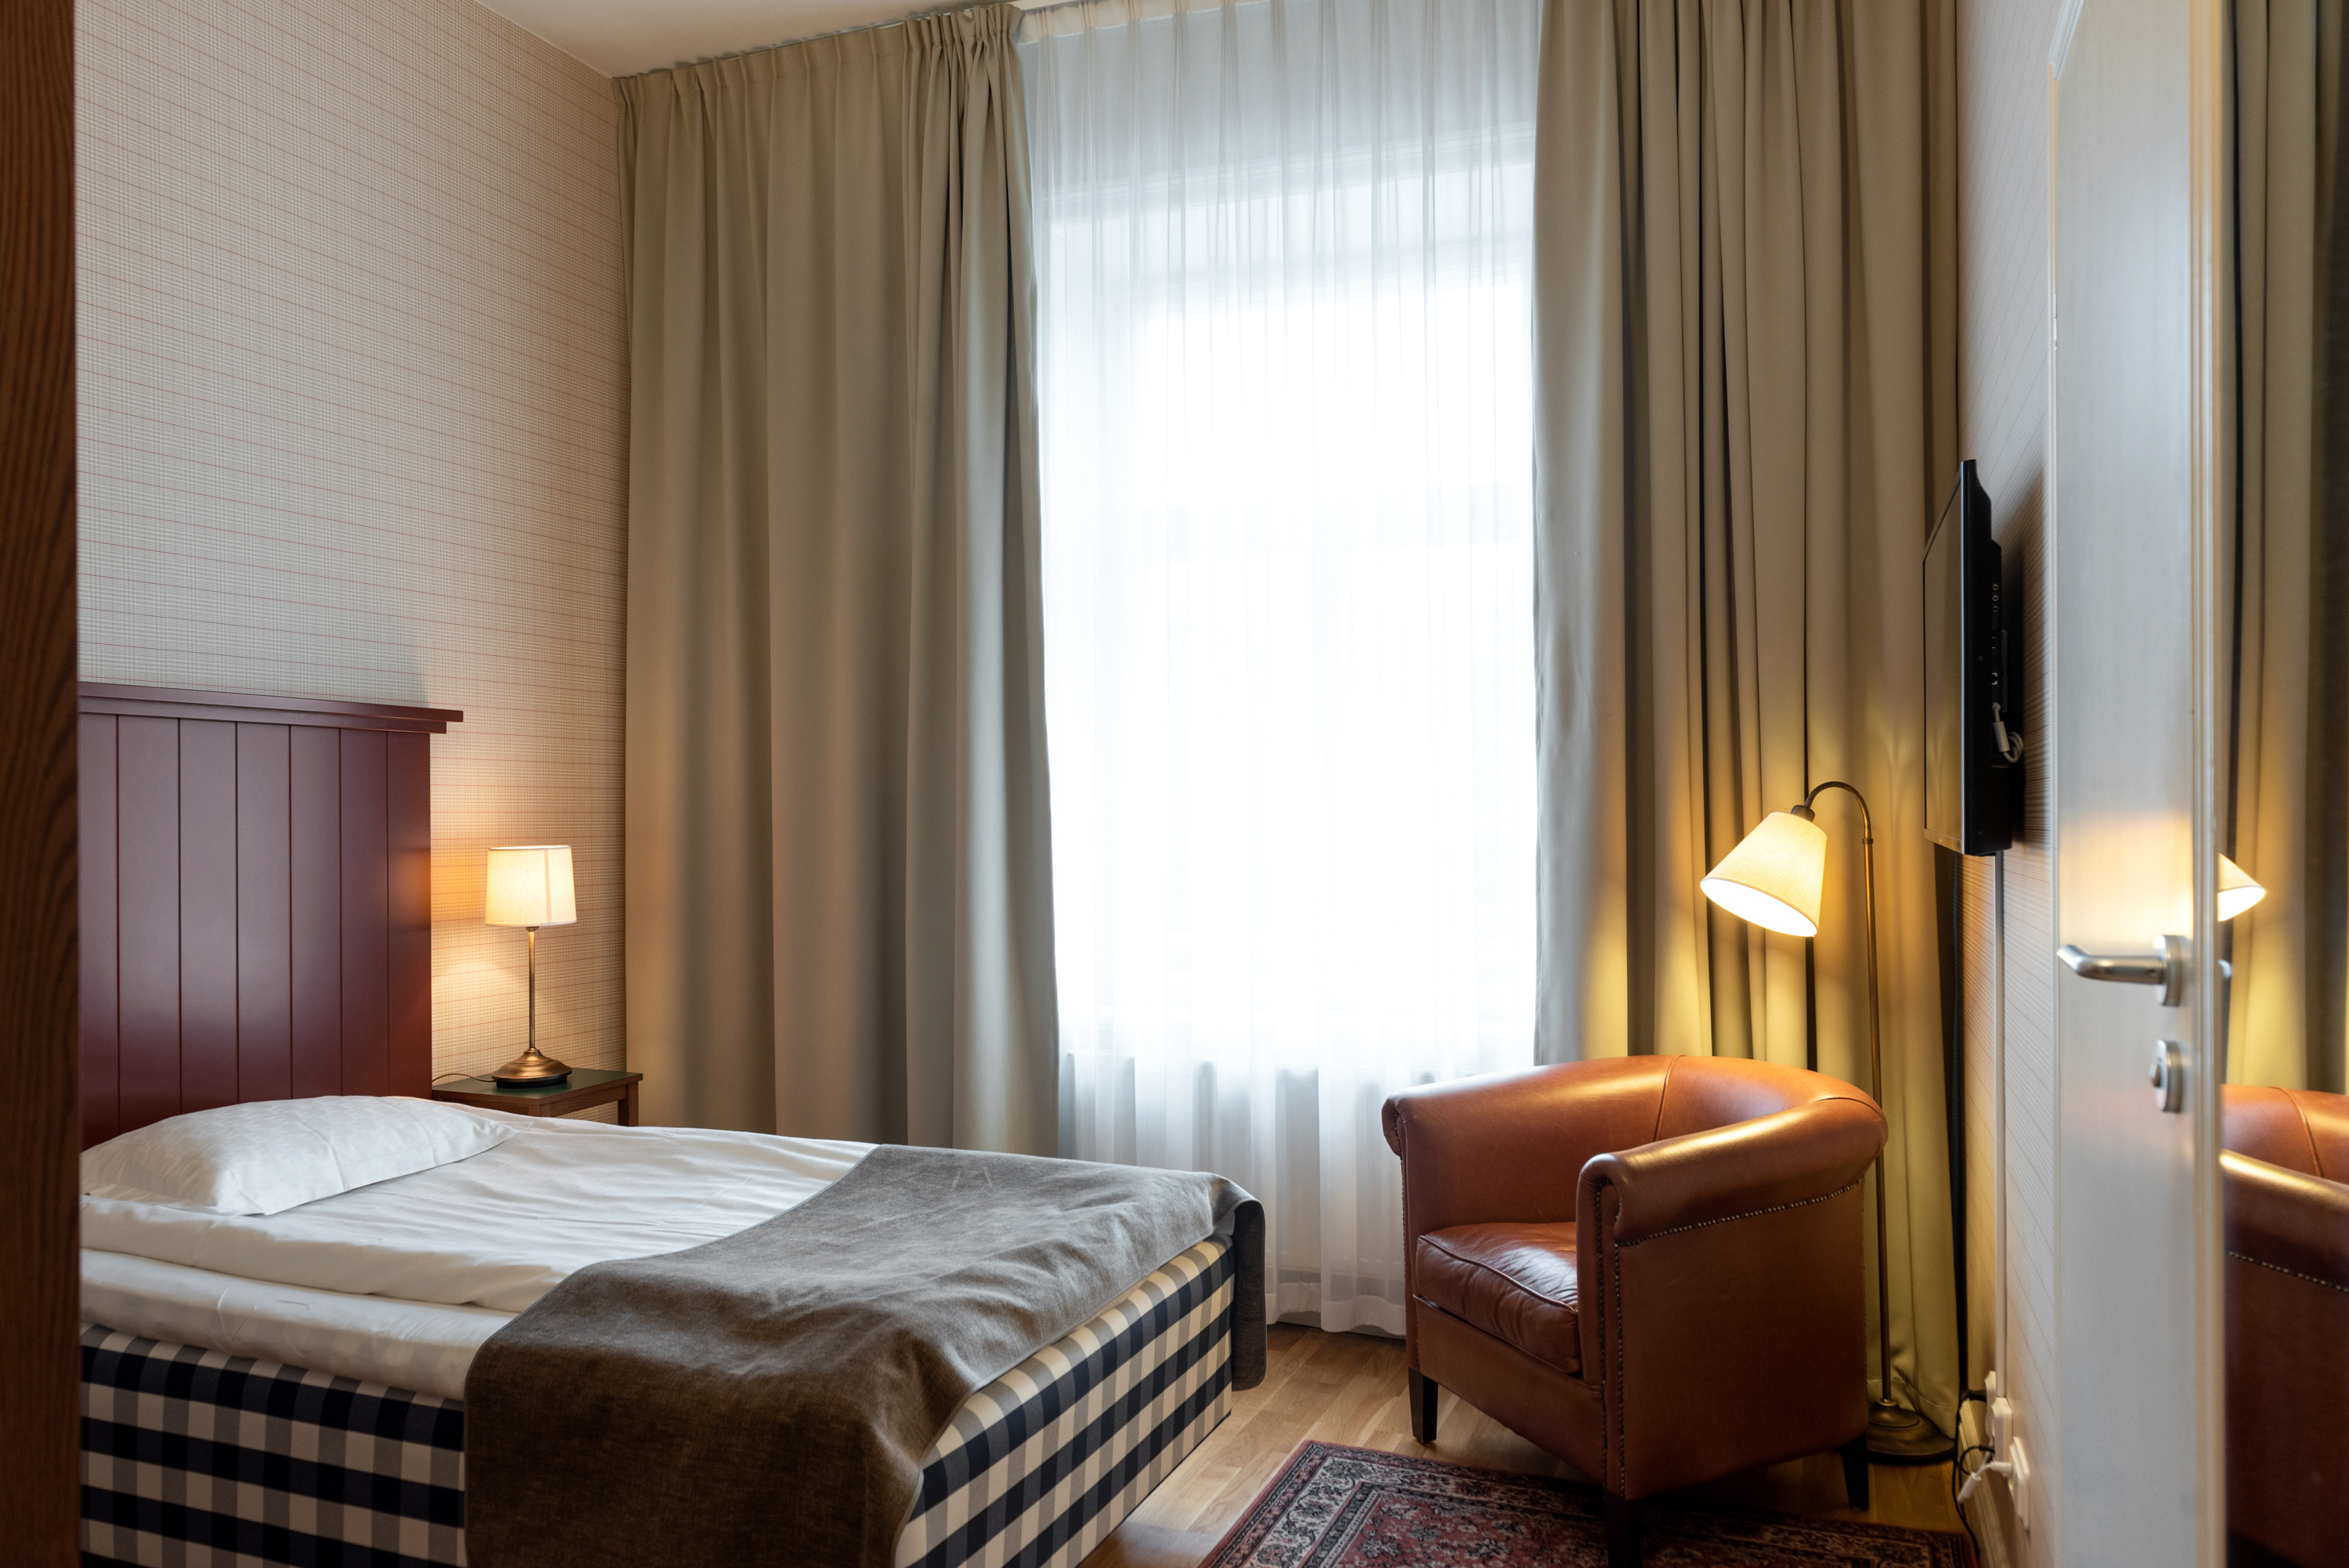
{"x": 1349, "y": 1389}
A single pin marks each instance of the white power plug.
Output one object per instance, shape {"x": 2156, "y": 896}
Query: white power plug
{"x": 2016, "y": 1468}
{"x": 2001, "y": 1412}
{"x": 2006, "y": 1455}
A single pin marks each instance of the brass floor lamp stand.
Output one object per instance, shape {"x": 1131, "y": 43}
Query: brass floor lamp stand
{"x": 1895, "y": 1434}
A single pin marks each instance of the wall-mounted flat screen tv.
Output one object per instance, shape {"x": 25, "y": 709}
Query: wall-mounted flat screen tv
{"x": 1973, "y": 733}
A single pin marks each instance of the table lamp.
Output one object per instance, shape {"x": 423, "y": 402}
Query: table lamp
{"x": 1773, "y": 878}
{"x": 529, "y": 886}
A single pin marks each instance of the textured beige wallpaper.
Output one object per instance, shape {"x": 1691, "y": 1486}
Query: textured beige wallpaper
{"x": 2002, "y": 420}
{"x": 352, "y": 403}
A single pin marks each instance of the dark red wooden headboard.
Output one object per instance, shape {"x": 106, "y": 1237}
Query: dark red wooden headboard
{"x": 256, "y": 908}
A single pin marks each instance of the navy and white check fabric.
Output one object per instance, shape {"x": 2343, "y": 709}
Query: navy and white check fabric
{"x": 195, "y": 1458}
{"x": 192, "y": 1457}
{"x": 1041, "y": 1464}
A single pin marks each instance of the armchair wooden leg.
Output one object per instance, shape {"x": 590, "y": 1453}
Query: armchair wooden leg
{"x": 1855, "y": 1469}
{"x": 1624, "y": 1520}
{"x": 1421, "y": 1393}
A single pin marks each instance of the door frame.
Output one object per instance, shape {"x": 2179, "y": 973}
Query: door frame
{"x": 40, "y": 1120}
{"x": 2209, "y": 110}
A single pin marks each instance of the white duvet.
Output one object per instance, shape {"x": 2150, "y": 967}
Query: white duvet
{"x": 400, "y": 1282}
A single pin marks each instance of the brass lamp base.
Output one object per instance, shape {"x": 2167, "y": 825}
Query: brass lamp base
{"x": 532, "y": 1066}
{"x": 1902, "y": 1437}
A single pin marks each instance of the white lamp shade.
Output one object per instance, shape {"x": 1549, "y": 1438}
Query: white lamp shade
{"x": 531, "y": 885}
{"x": 2237, "y": 891}
{"x": 1773, "y": 875}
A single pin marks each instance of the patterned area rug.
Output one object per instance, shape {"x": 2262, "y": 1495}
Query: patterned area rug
{"x": 1334, "y": 1507}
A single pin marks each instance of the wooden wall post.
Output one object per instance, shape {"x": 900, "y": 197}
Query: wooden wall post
{"x": 39, "y": 1117}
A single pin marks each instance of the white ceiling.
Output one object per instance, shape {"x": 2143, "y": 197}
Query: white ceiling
{"x": 621, "y": 38}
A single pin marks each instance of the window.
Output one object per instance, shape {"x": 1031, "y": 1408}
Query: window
{"x": 1286, "y": 365}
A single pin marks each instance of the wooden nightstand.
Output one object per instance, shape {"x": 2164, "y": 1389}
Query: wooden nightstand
{"x": 586, "y": 1087}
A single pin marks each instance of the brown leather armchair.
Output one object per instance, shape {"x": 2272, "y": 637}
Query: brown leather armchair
{"x": 1651, "y": 1267}
{"x": 2287, "y": 1185}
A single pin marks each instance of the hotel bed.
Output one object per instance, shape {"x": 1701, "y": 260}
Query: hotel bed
{"x": 289, "y": 1388}
{"x": 266, "y": 1385}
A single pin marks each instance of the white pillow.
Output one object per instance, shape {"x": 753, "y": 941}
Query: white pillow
{"x": 269, "y": 1155}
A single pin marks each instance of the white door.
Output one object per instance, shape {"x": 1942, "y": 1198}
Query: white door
{"x": 2133, "y": 457}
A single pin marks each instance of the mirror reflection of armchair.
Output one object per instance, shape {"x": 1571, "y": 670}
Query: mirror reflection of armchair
{"x": 2287, "y": 1197}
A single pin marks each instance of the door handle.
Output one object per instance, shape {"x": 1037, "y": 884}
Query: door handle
{"x": 2166, "y": 968}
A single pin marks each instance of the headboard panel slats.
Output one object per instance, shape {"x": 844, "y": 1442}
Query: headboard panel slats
{"x": 256, "y": 901}
{"x": 408, "y": 785}
{"x": 207, "y": 932}
{"x": 264, "y": 911}
{"x": 102, "y": 1031}
{"x": 315, "y": 867}
{"x": 367, "y": 917}
{"x": 146, "y": 824}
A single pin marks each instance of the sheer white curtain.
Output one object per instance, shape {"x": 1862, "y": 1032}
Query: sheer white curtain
{"x": 1285, "y": 364}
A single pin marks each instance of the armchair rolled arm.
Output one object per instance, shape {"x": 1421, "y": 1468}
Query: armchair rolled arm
{"x": 1507, "y": 1146}
{"x": 1721, "y": 1271}
{"x": 1797, "y": 1156}
{"x": 2286, "y": 1220}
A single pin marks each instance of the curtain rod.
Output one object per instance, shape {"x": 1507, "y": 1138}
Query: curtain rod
{"x": 1031, "y": 7}
{"x": 835, "y": 32}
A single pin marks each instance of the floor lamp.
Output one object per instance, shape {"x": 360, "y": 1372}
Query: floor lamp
{"x": 1773, "y": 878}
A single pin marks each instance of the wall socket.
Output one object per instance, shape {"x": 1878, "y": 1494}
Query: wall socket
{"x": 2006, "y": 1449}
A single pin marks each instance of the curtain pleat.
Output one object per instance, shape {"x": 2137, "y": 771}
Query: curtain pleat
{"x": 1747, "y": 420}
{"x": 839, "y": 883}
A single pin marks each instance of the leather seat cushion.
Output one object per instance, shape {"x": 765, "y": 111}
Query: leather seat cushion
{"x": 1515, "y": 1282}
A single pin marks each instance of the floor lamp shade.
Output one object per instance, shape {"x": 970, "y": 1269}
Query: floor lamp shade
{"x": 2237, "y": 891}
{"x": 531, "y": 885}
{"x": 1773, "y": 876}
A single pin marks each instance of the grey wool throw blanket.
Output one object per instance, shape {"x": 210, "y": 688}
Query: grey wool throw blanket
{"x": 766, "y": 1398}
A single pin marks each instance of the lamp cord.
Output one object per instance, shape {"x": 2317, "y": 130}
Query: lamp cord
{"x": 1957, "y": 1495}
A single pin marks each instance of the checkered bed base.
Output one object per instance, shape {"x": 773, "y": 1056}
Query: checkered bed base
{"x": 192, "y": 1457}
{"x": 1046, "y": 1460}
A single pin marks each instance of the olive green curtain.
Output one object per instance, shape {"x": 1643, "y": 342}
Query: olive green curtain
{"x": 839, "y": 881}
{"x": 1745, "y": 319}
{"x": 2288, "y": 810}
